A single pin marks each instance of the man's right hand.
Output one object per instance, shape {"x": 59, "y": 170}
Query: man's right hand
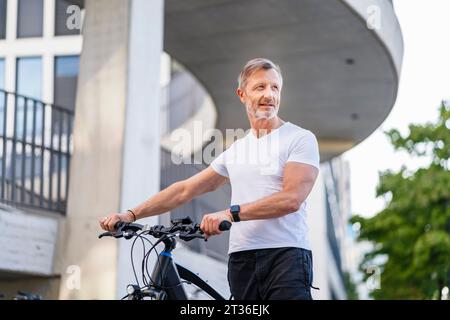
{"x": 107, "y": 223}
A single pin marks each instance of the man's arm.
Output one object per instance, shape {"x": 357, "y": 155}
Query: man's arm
{"x": 172, "y": 197}
{"x": 298, "y": 181}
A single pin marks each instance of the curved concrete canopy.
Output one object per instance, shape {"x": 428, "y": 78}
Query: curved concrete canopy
{"x": 340, "y": 77}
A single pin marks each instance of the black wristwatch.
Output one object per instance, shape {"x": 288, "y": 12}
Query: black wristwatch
{"x": 235, "y": 210}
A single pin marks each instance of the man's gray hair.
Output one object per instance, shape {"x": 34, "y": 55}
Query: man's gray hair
{"x": 255, "y": 65}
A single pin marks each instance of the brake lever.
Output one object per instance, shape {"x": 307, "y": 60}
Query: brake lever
{"x": 189, "y": 237}
{"x": 115, "y": 234}
{"x": 200, "y": 233}
{"x": 125, "y": 230}
{"x": 105, "y": 234}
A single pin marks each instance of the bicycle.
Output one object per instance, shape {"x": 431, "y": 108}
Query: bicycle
{"x": 166, "y": 282}
{"x": 27, "y": 296}
{"x": 23, "y": 296}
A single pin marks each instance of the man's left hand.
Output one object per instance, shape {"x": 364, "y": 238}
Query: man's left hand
{"x": 210, "y": 223}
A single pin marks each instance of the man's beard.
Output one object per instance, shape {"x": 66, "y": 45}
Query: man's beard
{"x": 263, "y": 115}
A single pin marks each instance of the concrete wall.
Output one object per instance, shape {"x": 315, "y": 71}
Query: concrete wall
{"x": 141, "y": 150}
{"x": 28, "y": 260}
{"x": 47, "y": 288}
{"x": 96, "y": 169}
{"x": 29, "y": 242}
{"x": 115, "y": 163}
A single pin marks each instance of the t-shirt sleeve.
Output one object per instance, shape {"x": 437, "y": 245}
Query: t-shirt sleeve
{"x": 219, "y": 165}
{"x": 305, "y": 149}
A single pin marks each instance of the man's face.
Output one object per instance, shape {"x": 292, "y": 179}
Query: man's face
{"x": 261, "y": 94}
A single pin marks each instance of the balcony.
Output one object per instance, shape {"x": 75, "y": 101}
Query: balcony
{"x": 35, "y": 146}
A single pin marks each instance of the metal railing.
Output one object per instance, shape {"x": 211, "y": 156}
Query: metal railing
{"x": 35, "y": 147}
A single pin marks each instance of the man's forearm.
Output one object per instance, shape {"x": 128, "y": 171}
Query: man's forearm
{"x": 273, "y": 206}
{"x": 164, "y": 201}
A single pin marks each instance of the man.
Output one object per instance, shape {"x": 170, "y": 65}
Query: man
{"x": 270, "y": 256}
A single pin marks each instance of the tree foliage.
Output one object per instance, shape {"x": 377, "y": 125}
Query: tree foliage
{"x": 413, "y": 231}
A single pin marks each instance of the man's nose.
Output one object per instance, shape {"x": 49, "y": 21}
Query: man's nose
{"x": 268, "y": 93}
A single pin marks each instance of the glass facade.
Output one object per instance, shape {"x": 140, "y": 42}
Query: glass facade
{"x": 2, "y": 19}
{"x": 2, "y": 73}
{"x": 38, "y": 173}
{"x": 29, "y": 77}
{"x": 2, "y": 95}
{"x": 29, "y": 84}
{"x": 62, "y": 18}
{"x": 30, "y": 18}
{"x": 66, "y": 77}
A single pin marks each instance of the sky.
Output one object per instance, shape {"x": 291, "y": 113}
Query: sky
{"x": 424, "y": 83}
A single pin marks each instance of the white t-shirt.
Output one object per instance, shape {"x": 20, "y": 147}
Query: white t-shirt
{"x": 254, "y": 167}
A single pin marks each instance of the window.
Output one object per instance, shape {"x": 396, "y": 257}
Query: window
{"x": 29, "y": 84}
{"x": 66, "y": 77}
{"x": 61, "y": 18}
{"x": 2, "y": 94}
{"x": 30, "y": 18}
{"x": 2, "y": 73}
{"x": 2, "y": 19}
{"x": 29, "y": 77}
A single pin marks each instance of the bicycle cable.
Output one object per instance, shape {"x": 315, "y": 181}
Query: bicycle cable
{"x": 144, "y": 265}
{"x": 160, "y": 286}
{"x": 145, "y": 252}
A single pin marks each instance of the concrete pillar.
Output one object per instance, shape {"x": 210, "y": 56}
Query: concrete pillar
{"x": 141, "y": 152}
{"x": 115, "y": 162}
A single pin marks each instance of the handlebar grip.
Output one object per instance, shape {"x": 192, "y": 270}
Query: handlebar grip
{"x": 118, "y": 225}
{"x": 225, "y": 225}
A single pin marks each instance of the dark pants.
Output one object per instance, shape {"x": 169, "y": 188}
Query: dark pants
{"x": 271, "y": 274}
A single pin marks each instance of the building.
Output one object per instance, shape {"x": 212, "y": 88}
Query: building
{"x": 121, "y": 97}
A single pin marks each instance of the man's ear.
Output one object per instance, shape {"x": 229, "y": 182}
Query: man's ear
{"x": 240, "y": 94}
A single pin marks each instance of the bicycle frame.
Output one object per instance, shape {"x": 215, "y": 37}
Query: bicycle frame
{"x": 166, "y": 283}
{"x": 167, "y": 274}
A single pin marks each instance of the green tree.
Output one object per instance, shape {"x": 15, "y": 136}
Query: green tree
{"x": 352, "y": 293}
{"x": 411, "y": 236}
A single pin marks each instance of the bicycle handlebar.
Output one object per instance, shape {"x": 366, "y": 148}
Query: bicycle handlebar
{"x": 184, "y": 228}
{"x": 225, "y": 225}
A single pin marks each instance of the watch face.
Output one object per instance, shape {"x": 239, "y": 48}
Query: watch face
{"x": 235, "y": 208}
